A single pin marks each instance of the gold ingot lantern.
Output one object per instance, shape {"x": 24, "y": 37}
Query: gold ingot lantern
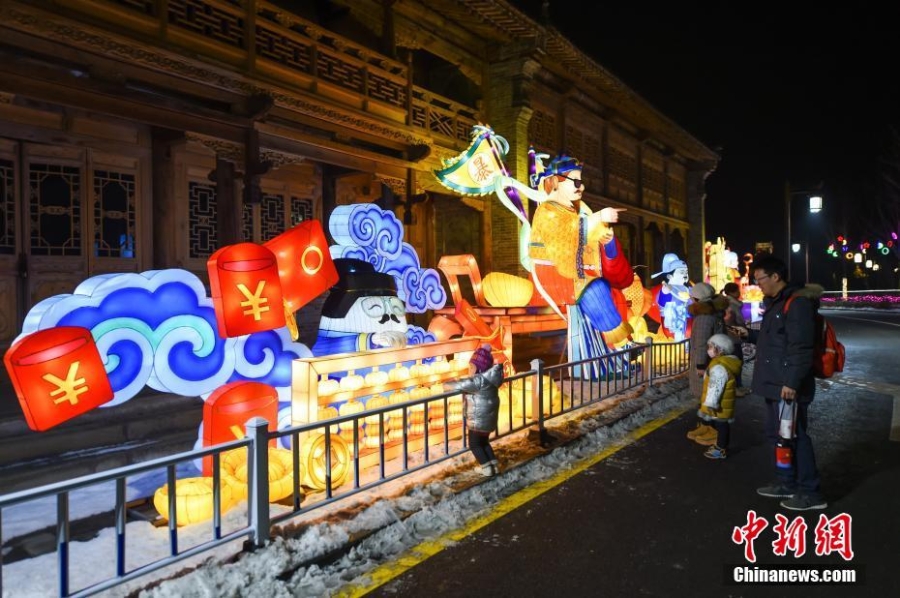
{"x": 281, "y": 473}
{"x": 328, "y": 387}
{"x": 440, "y": 366}
{"x": 329, "y": 412}
{"x": 397, "y": 397}
{"x": 505, "y": 290}
{"x": 314, "y": 462}
{"x": 351, "y": 407}
{"x": 352, "y": 381}
{"x": 455, "y": 410}
{"x": 419, "y": 370}
{"x": 460, "y": 363}
{"x": 193, "y": 500}
{"x": 376, "y": 378}
{"x": 399, "y": 374}
{"x": 372, "y": 424}
{"x": 436, "y": 414}
{"x": 417, "y": 412}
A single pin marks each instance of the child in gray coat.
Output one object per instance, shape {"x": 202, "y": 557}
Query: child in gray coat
{"x": 482, "y": 406}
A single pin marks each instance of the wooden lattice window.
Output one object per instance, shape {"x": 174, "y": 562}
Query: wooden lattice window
{"x": 7, "y": 207}
{"x": 55, "y": 209}
{"x": 202, "y": 237}
{"x": 115, "y": 214}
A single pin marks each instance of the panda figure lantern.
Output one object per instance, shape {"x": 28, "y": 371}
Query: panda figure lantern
{"x": 362, "y": 312}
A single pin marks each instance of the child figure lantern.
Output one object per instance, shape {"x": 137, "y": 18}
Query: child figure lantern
{"x": 57, "y": 374}
{"x": 671, "y": 297}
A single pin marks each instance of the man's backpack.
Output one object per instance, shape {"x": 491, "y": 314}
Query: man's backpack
{"x": 828, "y": 352}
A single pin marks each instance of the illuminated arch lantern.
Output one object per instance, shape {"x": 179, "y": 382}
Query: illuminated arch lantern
{"x": 245, "y": 289}
{"x": 57, "y": 374}
{"x": 305, "y": 267}
{"x": 228, "y": 408}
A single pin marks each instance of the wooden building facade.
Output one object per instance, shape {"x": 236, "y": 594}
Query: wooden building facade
{"x": 145, "y": 134}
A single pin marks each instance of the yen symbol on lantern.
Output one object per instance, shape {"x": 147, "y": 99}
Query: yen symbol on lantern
{"x": 70, "y": 388}
{"x": 255, "y": 303}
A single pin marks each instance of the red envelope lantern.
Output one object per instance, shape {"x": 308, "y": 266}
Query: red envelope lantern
{"x": 245, "y": 288}
{"x": 229, "y": 407}
{"x": 57, "y": 374}
{"x": 305, "y": 266}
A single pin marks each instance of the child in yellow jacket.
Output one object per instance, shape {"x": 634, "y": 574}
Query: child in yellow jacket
{"x": 717, "y": 399}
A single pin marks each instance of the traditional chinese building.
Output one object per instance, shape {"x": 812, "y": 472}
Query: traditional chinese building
{"x": 145, "y": 134}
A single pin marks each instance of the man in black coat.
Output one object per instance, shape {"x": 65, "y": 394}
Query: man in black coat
{"x": 783, "y": 370}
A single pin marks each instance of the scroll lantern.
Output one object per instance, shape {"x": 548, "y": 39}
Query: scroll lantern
{"x": 230, "y": 406}
{"x": 305, "y": 267}
{"x": 57, "y": 374}
{"x": 245, "y": 288}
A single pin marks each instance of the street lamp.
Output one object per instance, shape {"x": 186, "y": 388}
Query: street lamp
{"x": 815, "y": 206}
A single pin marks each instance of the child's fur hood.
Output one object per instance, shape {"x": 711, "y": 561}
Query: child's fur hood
{"x": 717, "y": 304}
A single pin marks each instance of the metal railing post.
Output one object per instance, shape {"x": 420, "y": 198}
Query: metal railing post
{"x": 537, "y": 401}
{"x": 258, "y": 460}
{"x": 649, "y": 360}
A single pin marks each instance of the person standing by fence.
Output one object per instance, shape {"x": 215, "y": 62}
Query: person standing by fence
{"x": 482, "y": 406}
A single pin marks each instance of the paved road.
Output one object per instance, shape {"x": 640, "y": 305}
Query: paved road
{"x": 656, "y": 518}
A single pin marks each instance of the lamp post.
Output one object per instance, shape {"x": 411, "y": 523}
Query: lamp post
{"x": 815, "y": 206}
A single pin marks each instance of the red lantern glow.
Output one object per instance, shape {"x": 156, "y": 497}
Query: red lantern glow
{"x": 229, "y": 407}
{"x": 305, "y": 267}
{"x": 245, "y": 289}
{"x": 57, "y": 374}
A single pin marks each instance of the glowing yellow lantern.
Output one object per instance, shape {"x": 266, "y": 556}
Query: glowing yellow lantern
{"x": 399, "y": 374}
{"x": 376, "y": 378}
{"x": 417, "y": 412}
{"x": 313, "y": 462}
{"x": 461, "y": 363}
{"x": 419, "y": 370}
{"x": 397, "y": 397}
{"x": 440, "y": 366}
{"x": 505, "y": 290}
{"x": 193, "y": 500}
{"x": 351, "y": 407}
{"x": 436, "y": 414}
{"x": 329, "y": 413}
{"x": 352, "y": 382}
{"x": 281, "y": 473}
{"x": 372, "y": 437}
{"x": 455, "y": 410}
{"x": 328, "y": 387}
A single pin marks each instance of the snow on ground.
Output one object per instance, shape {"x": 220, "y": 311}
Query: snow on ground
{"x": 391, "y": 519}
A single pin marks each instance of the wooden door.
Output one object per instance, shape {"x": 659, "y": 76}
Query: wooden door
{"x": 56, "y": 218}
{"x": 11, "y": 257}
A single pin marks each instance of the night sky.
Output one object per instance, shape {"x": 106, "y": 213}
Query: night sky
{"x": 806, "y": 97}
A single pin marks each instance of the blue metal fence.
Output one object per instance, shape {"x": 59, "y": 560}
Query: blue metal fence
{"x": 528, "y": 401}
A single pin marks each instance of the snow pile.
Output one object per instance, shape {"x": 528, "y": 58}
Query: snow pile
{"x": 282, "y": 569}
{"x": 321, "y": 551}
